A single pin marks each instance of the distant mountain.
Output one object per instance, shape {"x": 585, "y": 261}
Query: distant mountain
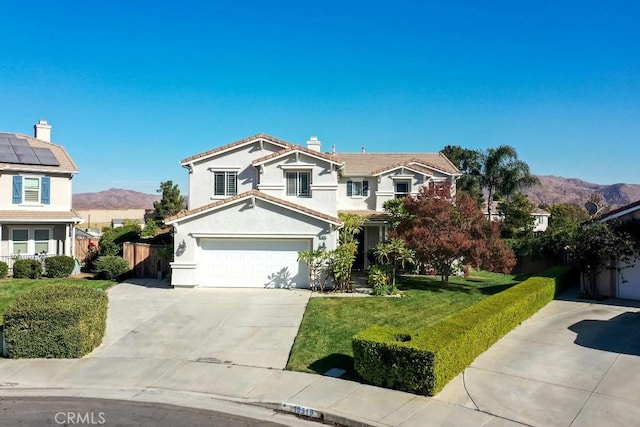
{"x": 114, "y": 198}
{"x": 555, "y": 189}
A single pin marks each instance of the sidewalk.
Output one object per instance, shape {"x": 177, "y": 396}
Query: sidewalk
{"x": 186, "y": 383}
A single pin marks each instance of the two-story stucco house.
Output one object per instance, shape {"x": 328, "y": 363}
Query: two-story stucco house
{"x": 35, "y": 196}
{"x": 254, "y": 203}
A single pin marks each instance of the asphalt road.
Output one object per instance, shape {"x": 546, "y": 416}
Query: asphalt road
{"x": 71, "y": 411}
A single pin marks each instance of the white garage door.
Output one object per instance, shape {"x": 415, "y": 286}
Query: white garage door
{"x": 256, "y": 263}
{"x": 630, "y": 289}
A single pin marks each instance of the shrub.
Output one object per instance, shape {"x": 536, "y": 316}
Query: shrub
{"x": 110, "y": 267}
{"x": 27, "y": 269}
{"x": 4, "y": 269}
{"x": 61, "y": 321}
{"x": 59, "y": 266}
{"x": 379, "y": 279}
{"x": 423, "y": 361}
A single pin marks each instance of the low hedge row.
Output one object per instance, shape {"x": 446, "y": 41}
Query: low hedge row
{"x": 423, "y": 361}
{"x": 61, "y": 321}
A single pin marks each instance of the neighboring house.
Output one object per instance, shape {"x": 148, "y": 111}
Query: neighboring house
{"x": 540, "y": 216}
{"x": 254, "y": 203}
{"x": 621, "y": 281}
{"x": 35, "y": 206}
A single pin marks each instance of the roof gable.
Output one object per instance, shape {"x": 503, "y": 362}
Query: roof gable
{"x": 366, "y": 164}
{"x": 222, "y": 149}
{"x": 297, "y": 149}
{"x": 187, "y": 214}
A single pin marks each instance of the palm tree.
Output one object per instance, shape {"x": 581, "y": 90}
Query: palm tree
{"x": 502, "y": 173}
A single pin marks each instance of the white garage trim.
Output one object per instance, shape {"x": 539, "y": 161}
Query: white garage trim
{"x": 252, "y": 262}
{"x": 253, "y": 235}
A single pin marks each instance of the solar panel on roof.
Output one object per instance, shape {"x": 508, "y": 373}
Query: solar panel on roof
{"x": 46, "y": 156}
{"x": 22, "y": 149}
{"x": 29, "y": 159}
{"x": 18, "y": 142}
{"x": 9, "y": 158}
{"x": 4, "y": 140}
{"x": 6, "y": 149}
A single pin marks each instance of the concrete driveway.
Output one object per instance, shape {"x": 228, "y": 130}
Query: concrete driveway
{"x": 574, "y": 363}
{"x": 252, "y": 327}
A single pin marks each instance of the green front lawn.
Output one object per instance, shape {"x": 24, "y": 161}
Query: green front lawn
{"x": 324, "y": 338}
{"x": 11, "y": 288}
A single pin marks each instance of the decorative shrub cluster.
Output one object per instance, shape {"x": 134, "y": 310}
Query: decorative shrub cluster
{"x": 59, "y": 266}
{"x": 59, "y": 321}
{"x": 110, "y": 267}
{"x": 423, "y": 361}
{"x": 27, "y": 269}
{"x": 4, "y": 269}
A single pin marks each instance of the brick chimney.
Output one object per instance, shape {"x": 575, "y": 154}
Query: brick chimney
{"x": 42, "y": 131}
{"x": 314, "y": 144}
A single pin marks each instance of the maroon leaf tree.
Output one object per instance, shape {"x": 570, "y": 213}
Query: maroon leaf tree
{"x": 444, "y": 233}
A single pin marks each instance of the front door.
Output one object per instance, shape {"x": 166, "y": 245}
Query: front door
{"x": 359, "y": 262}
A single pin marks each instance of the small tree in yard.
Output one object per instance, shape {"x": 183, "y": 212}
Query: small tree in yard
{"x": 596, "y": 247}
{"x": 394, "y": 254}
{"x": 443, "y": 232}
{"x": 343, "y": 257}
{"x": 171, "y": 203}
{"x": 317, "y": 263}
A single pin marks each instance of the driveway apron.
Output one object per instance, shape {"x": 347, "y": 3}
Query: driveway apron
{"x": 252, "y": 327}
{"x": 574, "y": 363}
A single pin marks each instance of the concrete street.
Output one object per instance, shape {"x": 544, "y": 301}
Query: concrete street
{"x": 574, "y": 363}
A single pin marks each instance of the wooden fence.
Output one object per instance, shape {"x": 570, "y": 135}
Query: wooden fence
{"x": 146, "y": 261}
{"x": 83, "y": 246}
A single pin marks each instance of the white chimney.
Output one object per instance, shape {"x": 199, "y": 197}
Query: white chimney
{"x": 43, "y": 131}
{"x": 313, "y": 144}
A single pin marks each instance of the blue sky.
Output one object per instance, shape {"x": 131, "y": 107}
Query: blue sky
{"x": 133, "y": 87}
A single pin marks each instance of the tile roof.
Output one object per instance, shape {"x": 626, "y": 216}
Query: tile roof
{"x": 366, "y": 163}
{"x": 631, "y": 207}
{"x": 238, "y": 143}
{"x": 66, "y": 164}
{"x": 414, "y": 164}
{"x": 39, "y": 216}
{"x": 370, "y": 214}
{"x": 294, "y": 148}
{"x": 255, "y": 193}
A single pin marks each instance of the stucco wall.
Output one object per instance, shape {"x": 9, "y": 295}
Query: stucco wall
{"x": 238, "y": 159}
{"x": 244, "y": 220}
{"x": 60, "y": 193}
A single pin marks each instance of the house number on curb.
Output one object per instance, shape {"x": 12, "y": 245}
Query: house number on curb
{"x": 301, "y": 410}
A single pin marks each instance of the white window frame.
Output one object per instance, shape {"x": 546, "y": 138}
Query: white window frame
{"x": 31, "y": 242}
{"x": 355, "y": 183}
{"x": 38, "y": 200}
{"x": 298, "y": 192}
{"x": 397, "y": 194}
{"x": 226, "y": 180}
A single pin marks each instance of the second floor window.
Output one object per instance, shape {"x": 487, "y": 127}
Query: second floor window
{"x": 298, "y": 184}
{"x": 31, "y": 189}
{"x": 225, "y": 183}
{"x": 357, "y": 188}
{"x": 403, "y": 188}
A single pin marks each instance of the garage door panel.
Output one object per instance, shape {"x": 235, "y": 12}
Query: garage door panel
{"x": 253, "y": 263}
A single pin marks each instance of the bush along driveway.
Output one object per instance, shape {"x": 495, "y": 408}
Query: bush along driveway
{"x": 324, "y": 338}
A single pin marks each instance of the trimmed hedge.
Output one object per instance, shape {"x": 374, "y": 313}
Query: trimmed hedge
{"x": 27, "y": 269}
{"x": 423, "y": 361}
{"x": 110, "y": 267}
{"x": 59, "y": 266}
{"x": 61, "y": 321}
